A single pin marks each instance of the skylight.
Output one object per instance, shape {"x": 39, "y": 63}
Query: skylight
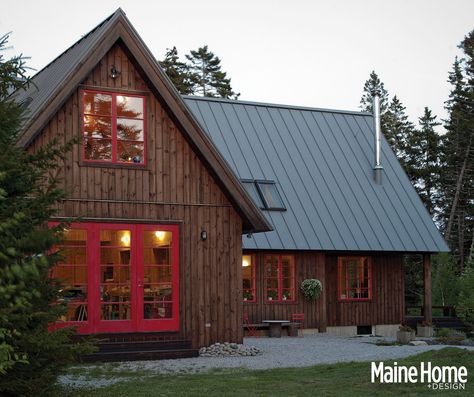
{"x": 265, "y": 194}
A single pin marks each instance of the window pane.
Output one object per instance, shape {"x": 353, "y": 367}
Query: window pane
{"x": 129, "y": 106}
{"x": 115, "y": 293}
{"x": 270, "y": 195}
{"x": 73, "y": 256}
{"x": 115, "y": 238}
{"x": 129, "y": 130}
{"x": 115, "y": 274}
{"x": 74, "y": 237}
{"x": 97, "y": 127}
{"x": 157, "y": 310}
{"x": 155, "y": 274}
{"x": 252, "y": 191}
{"x": 272, "y": 294}
{"x": 129, "y": 152}
{"x": 97, "y": 103}
{"x": 158, "y": 238}
{"x": 98, "y": 149}
{"x": 75, "y": 312}
{"x": 287, "y": 294}
{"x": 70, "y": 275}
{"x": 115, "y": 311}
{"x": 161, "y": 292}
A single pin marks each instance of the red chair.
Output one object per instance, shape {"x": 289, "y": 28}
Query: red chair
{"x": 298, "y": 318}
{"x": 251, "y": 329}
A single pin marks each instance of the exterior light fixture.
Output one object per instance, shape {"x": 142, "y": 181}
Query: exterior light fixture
{"x": 203, "y": 235}
{"x": 114, "y": 72}
{"x": 245, "y": 262}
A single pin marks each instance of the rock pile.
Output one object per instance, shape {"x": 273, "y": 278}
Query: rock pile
{"x": 228, "y": 350}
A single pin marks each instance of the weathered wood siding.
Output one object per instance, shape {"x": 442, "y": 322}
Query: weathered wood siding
{"x": 387, "y": 305}
{"x": 174, "y": 186}
{"x": 307, "y": 265}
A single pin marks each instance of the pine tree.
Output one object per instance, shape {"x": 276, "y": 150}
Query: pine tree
{"x": 374, "y": 84}
{"x": 206, "y": 74}
{"x": 422, "y": 159}
{"x": 30, "y": 356}
{"x": 177, "y": 71}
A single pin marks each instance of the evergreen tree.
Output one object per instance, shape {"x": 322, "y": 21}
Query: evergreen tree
{"x": 177, "y": 71}
{"x": 374, "y": 84}
{"x": 206, "y": 74}
{"x": 30, "y": 356}
{"x": 398, "y": 129}
{"x": 422, "y": 159}
{"x": 457, "y": 177}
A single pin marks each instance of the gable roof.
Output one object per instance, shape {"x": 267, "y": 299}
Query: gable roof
{"x": 322, "y": 161}
{"x": 52, "y": 86}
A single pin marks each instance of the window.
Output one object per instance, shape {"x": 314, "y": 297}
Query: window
{"x": 253, "y": 192}
{"x": 248, "y": 278}
{"x": 113, "y": 128}
{"x": 279, "y": 278}
{"x": 355, "y": 278}
{"x": 270, "y": 196}
{"x": 264, "y": 194}
{"x": 119, "y": 277}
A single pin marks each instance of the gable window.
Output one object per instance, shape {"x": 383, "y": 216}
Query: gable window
{"x": 355, "y": 278}
{"x": 279, "y": 278}
{"x": 248, "y": 278}
{"x": 113, "y": 127}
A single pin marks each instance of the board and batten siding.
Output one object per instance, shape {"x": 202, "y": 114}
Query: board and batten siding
{"x": 386, "y": 306}
{"x": 307, "y": 265}
{"x": 174, "y": 186}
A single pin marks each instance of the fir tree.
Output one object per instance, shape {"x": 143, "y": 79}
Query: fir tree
{"x": 30, "y": 356}
{"x": 206, "y": 74}
{"x": 177, "y": 71}
{"x": 422, "y": 159}
{"x": 398, "y": 129}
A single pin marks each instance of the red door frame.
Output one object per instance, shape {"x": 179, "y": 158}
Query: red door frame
{"x": 137, "y": 323}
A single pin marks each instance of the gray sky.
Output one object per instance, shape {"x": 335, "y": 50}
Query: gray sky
{"x": 298, "y": 52}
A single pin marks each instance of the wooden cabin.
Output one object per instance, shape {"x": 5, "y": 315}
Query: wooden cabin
{"x": 194, "y": 211}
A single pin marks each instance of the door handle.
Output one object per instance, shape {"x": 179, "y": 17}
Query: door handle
{"x": 140, "y": 284}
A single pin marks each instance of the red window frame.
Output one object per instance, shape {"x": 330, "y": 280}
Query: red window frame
{"x": 113, "y": 116}
{"x": 253, "y": 289}
{"x": 279, "y": 278}
{"x": 137, "y": 322}
{"x": 344, "y": 288}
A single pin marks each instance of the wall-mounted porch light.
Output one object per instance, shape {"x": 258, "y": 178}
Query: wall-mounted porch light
{"x": 203, "y": 235}
{"x": 114, "y": 72}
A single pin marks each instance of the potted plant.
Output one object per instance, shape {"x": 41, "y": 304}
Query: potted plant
{"x": 248, "y": 296}
{"x": 425, "y": 329}
{"x": 405, "y": 334}
{"x": 311, "y": 288}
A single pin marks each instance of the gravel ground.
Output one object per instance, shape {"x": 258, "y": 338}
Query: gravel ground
{"x": 277, "y": 353}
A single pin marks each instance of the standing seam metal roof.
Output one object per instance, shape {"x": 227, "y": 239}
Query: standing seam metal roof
{"x": 322, "y": 161}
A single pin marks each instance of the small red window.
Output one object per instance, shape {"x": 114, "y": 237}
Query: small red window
{"x": 279, "y": 278}
{"x": 355, "y": 278}
{"x": 248, "y": 278}
{"x": 113, "y": 127}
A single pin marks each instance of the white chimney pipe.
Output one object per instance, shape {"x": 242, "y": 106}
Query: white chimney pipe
{"x": 378, "y": 161}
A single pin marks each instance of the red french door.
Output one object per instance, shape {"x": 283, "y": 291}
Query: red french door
{"x": 120, "y": 277}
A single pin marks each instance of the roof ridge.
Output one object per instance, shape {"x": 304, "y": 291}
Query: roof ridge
{"x": 99, "y": 25}
{"x": 276, "y": 105}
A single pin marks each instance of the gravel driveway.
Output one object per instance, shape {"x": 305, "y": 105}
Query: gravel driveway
{"x": 277, "y": 353}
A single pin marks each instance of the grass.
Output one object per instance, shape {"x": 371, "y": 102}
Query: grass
{"x": 347, "y": 379}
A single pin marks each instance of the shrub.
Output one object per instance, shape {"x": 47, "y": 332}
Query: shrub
{"x": 311, "y": 288}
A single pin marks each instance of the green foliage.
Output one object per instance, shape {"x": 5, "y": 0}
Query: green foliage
{"x": 177, "y": 71}
{"x": 30, "y": 356}
{"x": 466, "y": 296}
{"x": 207, "y": 75}
{"x": 445, "y": 281}
{"x": 311, "y": 288}
{"x": 457, "y": 173}
{"x": 201, "y": 75}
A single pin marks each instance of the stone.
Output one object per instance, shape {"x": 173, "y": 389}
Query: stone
{"x": 418, "y": 343}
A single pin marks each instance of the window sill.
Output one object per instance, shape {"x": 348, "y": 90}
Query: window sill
{"x": 131, "y": 166}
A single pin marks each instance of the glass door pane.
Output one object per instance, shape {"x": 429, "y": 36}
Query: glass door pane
{"x": 72, "y": 272}
{"x": 157, "y": 275}
{"x": 115, "y": 275}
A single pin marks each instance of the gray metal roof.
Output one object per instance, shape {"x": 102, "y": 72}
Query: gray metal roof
{"x": 45, "y": 83}
{"x": 322, "y": 161}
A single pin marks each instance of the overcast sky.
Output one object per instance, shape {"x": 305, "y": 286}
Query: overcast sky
{"x": 300, "y": 52}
